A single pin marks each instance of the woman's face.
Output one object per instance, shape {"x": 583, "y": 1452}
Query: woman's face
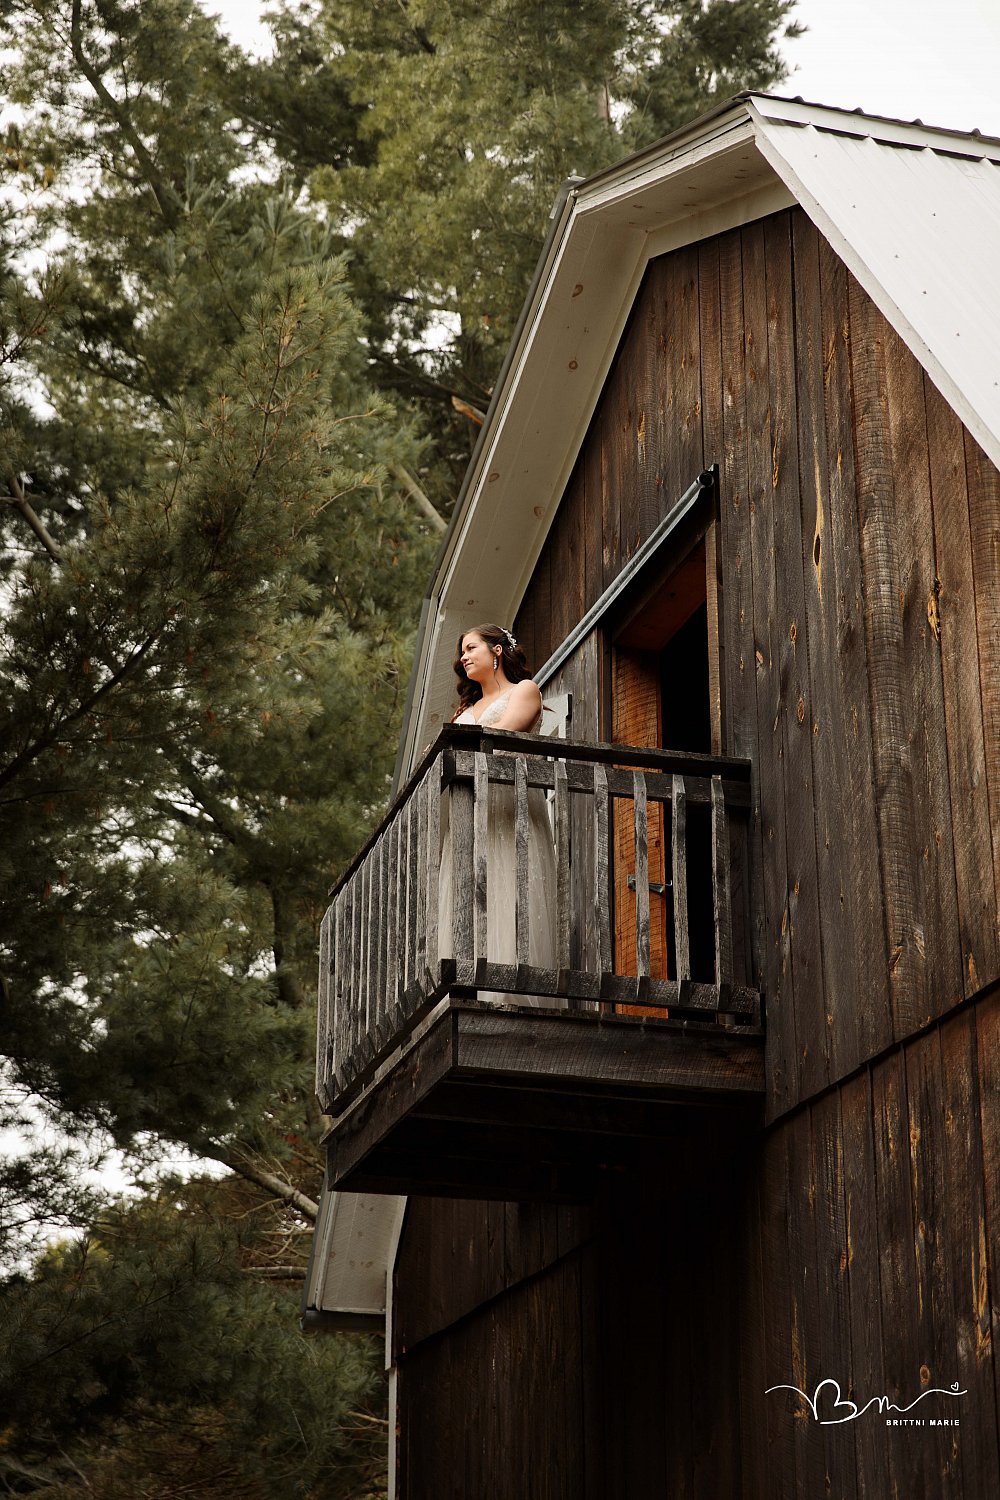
{"x": 477, "y": 658}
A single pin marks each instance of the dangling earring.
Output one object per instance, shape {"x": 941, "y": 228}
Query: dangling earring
{"x": 496, "y": 663}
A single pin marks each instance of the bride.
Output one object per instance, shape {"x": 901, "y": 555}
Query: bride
{"x": 495, "y": 690}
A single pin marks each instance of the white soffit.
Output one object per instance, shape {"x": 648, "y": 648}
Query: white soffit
{"x": 915, "y": 216}
{"x": 683, "y": 190}
{"x": 348, "y": 1269}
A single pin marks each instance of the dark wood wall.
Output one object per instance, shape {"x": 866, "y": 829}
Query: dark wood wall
{"x": 876, "y": 1262}
{"x": 859, "y": 561}
{"x": 626, "y": 1350}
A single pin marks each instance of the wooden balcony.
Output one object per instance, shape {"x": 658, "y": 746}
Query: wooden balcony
{"x": 453, "y": 1068}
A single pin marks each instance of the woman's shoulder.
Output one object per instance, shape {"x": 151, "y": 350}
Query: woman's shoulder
{"x": 525, "y": 691}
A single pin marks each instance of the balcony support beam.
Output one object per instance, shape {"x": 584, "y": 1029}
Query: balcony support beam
{"x": 520, "y": 1103}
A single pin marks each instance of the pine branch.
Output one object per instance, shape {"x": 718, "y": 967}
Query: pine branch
{"x": 408, "y": 482}
{"x": 165, "y": 197}
{"x": 20, "y": 500}
{"x": 276, "y": 1273}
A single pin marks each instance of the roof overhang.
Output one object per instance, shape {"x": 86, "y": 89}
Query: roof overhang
{"x": 892, "y": 215}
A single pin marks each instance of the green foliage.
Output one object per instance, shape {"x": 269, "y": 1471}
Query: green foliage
{"x": 237, "y": 299}
{"x": 163, "y": 1357}
{"x": 465, "y": 119}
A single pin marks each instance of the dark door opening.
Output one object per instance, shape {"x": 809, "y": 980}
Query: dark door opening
{"x": 664, "y": 671}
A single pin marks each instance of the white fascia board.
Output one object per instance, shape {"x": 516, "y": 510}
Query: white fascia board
{"x": 610, "y": 230}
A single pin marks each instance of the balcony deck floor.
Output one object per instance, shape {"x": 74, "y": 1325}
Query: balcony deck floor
{"x": 521, "y": 1103}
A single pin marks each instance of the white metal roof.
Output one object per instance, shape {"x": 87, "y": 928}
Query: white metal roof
{"x": 913, "y": 211}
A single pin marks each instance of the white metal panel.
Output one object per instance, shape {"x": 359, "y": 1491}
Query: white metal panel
{"x": 355, "y": 1235}
{"x": 920, "y": 229}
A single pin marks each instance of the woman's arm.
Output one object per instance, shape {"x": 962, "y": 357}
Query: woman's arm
{"x": 523, "y": 707}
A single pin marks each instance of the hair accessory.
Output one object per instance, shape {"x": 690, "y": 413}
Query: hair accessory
{"x": 510, "y": 637}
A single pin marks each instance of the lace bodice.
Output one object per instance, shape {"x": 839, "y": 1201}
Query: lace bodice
{"x": 491, "y": 714}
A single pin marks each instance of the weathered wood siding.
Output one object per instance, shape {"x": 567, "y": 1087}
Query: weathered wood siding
{"x": 626, "y": 1351}
{"x": 859, "y": 553}
{"x": 875, "y": 1265}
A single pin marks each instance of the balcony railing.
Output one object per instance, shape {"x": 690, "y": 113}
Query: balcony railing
{"x": 647, "y": 912}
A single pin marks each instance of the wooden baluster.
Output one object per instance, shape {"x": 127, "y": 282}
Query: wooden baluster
{"x": 421, "y": 959}
{"x": 393, "y": 932}
{"x": 641, "y": 824}
{"x": 323, "y": 1012}
{"x": 432, "y": 867}
{"x": 720, "y": 893}
{"x": 563, "y": 914}
{"x": 480, "y": 862}
{"x": 410, "y": 894}
{"x": 461, "y": 824}
{"x": 602, "y": 870}
{"x": 341, "y": 976}
{"x": 353, "y": 994}
{"x": 522, "y": 893}
{"x": 376, "y": 928}
{"x": 678, "y": 841}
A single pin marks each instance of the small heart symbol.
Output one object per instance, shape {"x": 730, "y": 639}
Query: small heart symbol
{"x": 842, "y": 1409}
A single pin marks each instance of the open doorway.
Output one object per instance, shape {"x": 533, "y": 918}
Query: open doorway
{"x": 665, "y": 695}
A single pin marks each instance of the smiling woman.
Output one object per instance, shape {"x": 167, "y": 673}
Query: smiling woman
{"x": 496, "y": 691}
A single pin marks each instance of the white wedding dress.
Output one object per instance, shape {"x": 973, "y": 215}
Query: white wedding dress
{"x": 501, "y": 885}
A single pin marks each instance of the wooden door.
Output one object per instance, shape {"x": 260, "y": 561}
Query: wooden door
{"x": 664, "y": 694}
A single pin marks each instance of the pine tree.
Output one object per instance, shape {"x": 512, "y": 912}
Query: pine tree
{"x": 466, "y": 116}
{"x": 210, "y": 581}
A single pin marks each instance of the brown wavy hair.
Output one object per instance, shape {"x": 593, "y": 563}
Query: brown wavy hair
{"x": 512, "y": 659}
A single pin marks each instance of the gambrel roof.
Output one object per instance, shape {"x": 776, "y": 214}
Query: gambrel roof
{"x": 913, "y": 212}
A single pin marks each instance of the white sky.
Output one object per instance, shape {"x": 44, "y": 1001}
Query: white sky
{"x": 936, "y": 60}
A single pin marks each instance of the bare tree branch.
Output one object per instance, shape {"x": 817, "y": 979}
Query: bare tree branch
{"x": 21, "y": 501}
{"x": 411, "y": 486}
{"x": 238, "y": 1162}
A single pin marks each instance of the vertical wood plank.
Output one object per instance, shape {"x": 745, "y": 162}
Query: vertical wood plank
{"x": 787, "y": 607}
{"x": 931, "y": 843}
{"x": 897, "y": 1270}
{"x": 641, "y": 875}
{"x": 523, "y": 905}
{"x": 863, "y": 1280}
{"x": 986, "y": 1082}
{"x": 710, "y": 349}
{"x": 602, "y": 869}
{"x": 828, "y": 1211}
{"x": 412, "y": 881}
{"x": 720, "y": 887}
{"x": 678, "y": 857}
{"x": 392, "y": 929}
{"x": 965, "y": 1112}
{"x": 766, "y": 733}
{"x": 564, "y": 884}
{"x": 460, "y": 822}
{"x": 422, "y": 955}
{"x": 984, "y": 530}
{"x": 933, "y": 1245}
{"x": 847, "y": 833}
{"x": 323, "y": 1005}
{"x": 480, "y": 844}
{"x": 431, "y": 899}
{"x": 891, "y": 585}
{"x": 963, "y": 699}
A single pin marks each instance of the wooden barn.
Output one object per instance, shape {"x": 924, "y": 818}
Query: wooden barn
{"x": 710, "y": 1205}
